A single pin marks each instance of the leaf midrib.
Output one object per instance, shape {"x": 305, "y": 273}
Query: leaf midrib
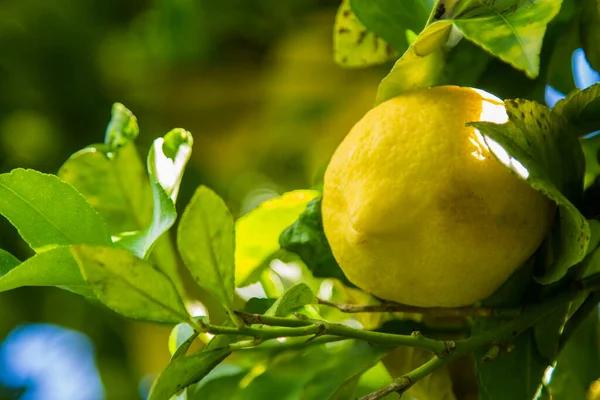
{"x": 144, "y": 294}
{"x": 518, "y": 38}
{"x": 213, "y": 256}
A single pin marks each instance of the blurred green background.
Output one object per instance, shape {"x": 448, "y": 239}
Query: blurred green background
{"x": 254, "y": 81}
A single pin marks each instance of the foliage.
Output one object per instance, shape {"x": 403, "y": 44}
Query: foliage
{"x": 101, "y": 228}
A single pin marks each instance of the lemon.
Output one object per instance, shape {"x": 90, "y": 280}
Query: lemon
{"x": 418, "y": 207}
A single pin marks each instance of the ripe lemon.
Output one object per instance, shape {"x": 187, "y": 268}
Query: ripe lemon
{"x": 418, "y": 210}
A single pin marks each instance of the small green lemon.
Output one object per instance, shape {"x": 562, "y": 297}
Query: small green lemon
{"x": 418, "y": 208}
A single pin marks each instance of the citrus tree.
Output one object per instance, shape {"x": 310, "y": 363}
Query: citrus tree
{"x": 449, "y": 252}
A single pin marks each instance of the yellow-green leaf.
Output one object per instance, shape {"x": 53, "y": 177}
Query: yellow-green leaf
{"x": 54, "y": 267}
{"x": 116, "y": 185}
{"x": 512, "y": 31}
{"x": 205, "y": 239}
{"x": 128, "y": 285}
{"x": 184, "y": 371}
{"x": 7, "y": 262}
{"x": 257, "y": 233}
{"x": 354, "y": 45}
{"x": 421, "y": 66}
{"x": 49, "y": 212}
{"x": 394, "y": 21}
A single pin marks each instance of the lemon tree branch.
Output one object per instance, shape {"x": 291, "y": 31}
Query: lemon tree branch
{"x": 388, "y": 306}
{"x": 508, "y": 331}
{"x": 320, "y": 328}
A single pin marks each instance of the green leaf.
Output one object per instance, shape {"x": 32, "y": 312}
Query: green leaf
{"x": 114, "y": 180}
{"x": 294, "y": 298}
{"x": 297, "y": 296}
{"x": 465, "y": 64}
{"x": 591, "y": 151}
{"x": 258, "y": 305}
{"x": 257, "y": 233}
{"x": 372, "y": 380}
{"x": 185, "y": 371}
{"x": 390, "y": 19}
{"x": 49, "y": 212}
{"x": 512, "y": 31}
{"x": 115, "y": 184}
{"x": 592, "y": 261}
{"x": 225, "y": 384}
{"x": 122, "y": 128}
{"x": 581, "y": 108}
{"x": 54, "y": 267}
{"x": 578, "y": 364}
{"x": 205, "y": 239}
{"x": 7, "y": 263}
{"x": 306, "y": 238}
{"x": 354, "y": 45}
{"x": 547, "y": 334}
{"x": 421, "y": 66}
{"x": 349, "y": 365}
{"x": 594, "y": 235}
{"x": 128, "y": 285}
{"x": 560, "y": 74}
{"x": 553, "y": 159}
{"x": 181, "y": 339}
{"x": 513, "y": 375}
{"x": 590, "y": 31}
{"x": 166, "y": 167}
{"x": 513, "y": 292}
{"x": 312, "y": 373}
{"x": 142, "y": 242}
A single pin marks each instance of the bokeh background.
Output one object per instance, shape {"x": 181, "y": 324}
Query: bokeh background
{"x": 255, "y": 83}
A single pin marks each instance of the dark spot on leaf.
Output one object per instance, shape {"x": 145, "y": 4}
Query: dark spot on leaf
{"x": 344, "y": 60}
{"x": 375, "y": 43}
{"x": 539, "y": 123}
{"x": 347, "y": 13}
{"x": 361, "y": 37}
{"x": 343, "y": 30}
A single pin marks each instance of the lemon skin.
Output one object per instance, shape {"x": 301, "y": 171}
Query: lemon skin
{"x": 418, "y": 209}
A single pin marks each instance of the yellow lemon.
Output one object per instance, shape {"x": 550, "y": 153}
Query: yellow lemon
{"x": 418, "y": 207}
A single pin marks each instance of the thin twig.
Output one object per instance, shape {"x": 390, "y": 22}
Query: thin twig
{"x": 403, "y": 383}
{"x": 435, "y": 311}
{"x": 277, "y": 346}
{"x": 264, "y": 333}
{"x": 329, "y": 328}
